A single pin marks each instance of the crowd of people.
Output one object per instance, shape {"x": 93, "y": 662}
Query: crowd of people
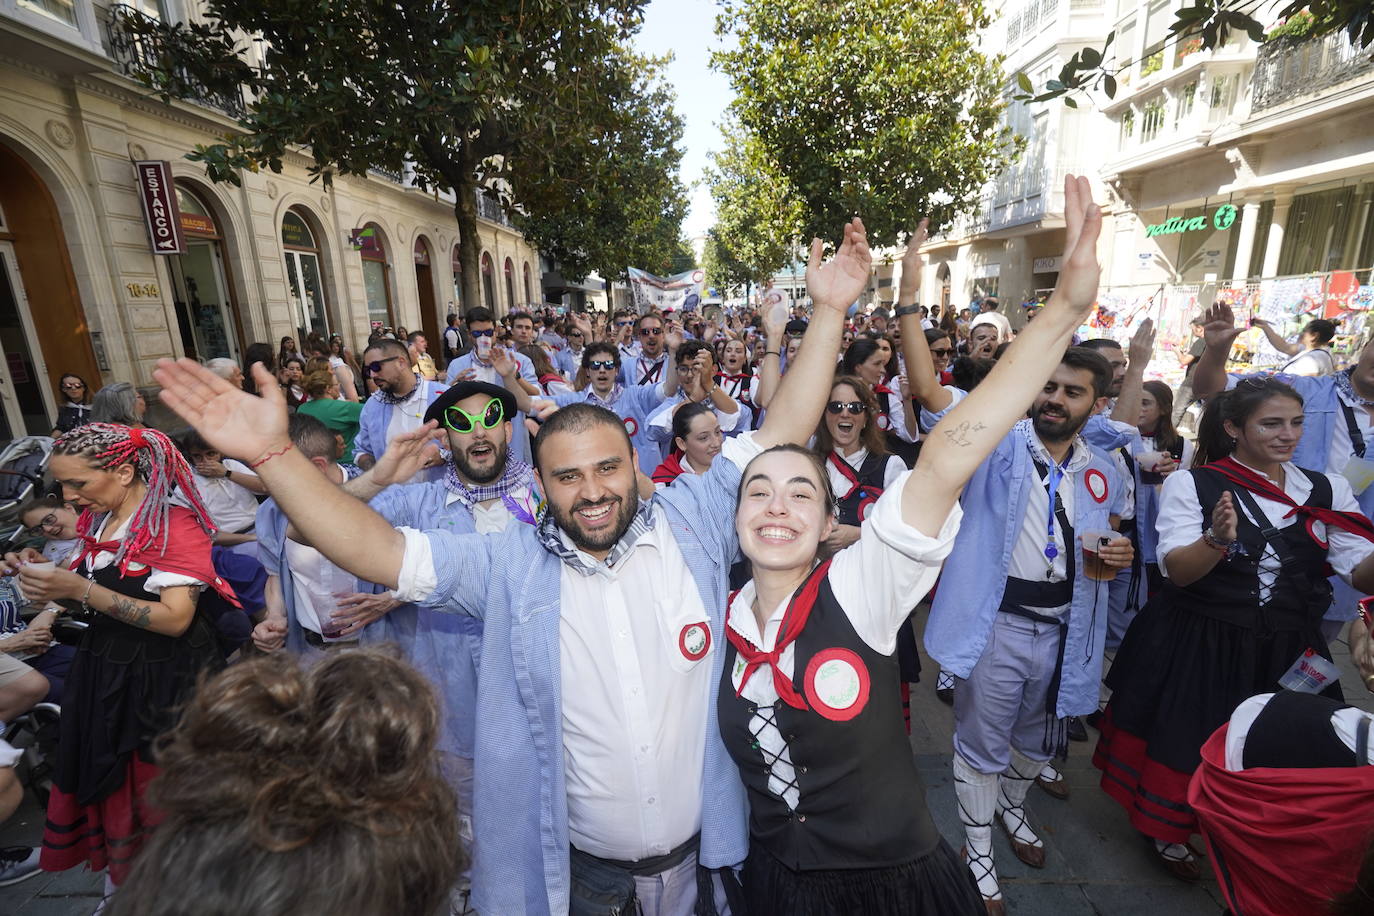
{"x": 602, "y": 616}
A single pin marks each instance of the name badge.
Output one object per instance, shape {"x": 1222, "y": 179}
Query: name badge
{"x": 1360, "y": 472}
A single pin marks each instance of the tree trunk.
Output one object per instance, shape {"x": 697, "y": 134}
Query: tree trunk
{"x": 469, "y": 244}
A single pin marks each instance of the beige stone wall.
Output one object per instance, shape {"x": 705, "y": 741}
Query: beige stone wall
{"x": 81, "y": 131}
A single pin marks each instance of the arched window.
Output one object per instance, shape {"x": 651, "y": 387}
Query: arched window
{"x": 457, "y": 281}
{"x": 207, "y": 315}
{"x": 376, "y": 275}
{"x": 529, "y": 296}
{"x": 488, "y": 282}
{"x": 303, "y": 273}
{"x": 510, "y": 285}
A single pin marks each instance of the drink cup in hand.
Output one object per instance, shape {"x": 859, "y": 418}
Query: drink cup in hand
{"x": 1093, "y": 567}
{"x": 1149, "y": 467}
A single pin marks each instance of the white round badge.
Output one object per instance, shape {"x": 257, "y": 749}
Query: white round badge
{"x": 694, "y": 641}
{"x": 631, "y": 427}
{"x": 837, "y": 684}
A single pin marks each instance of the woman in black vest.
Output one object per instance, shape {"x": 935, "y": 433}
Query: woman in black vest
{"x": 1245, "y": 538}
{"x": 809, "y": 700}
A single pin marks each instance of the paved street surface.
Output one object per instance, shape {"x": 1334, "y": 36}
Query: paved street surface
{"x": 1096, "y": 864}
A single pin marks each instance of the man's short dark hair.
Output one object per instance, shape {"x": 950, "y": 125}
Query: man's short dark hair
{"x": 1098, "y": 344}
{"x": 313, "y": 438}
{"x": 600, "y": 348}
{"x": 414, "y": 336}
{"x": 654, "y": 315}
{"x": 577, "y": 418}
{"x": 389, "y": 346}
{"x": 479, "y": 315}
{"x": 1094, "y": 362}
{"x": 516, "y": 316}
{"x": 689, "y": 350}
{"x": 452, "y": 319}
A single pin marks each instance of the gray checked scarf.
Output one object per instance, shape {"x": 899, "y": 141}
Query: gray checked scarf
{"x": 552, "y": 540}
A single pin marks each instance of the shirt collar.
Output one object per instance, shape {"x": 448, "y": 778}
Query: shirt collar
{"x": 1079, "y": 457}
{"x": 642, "y": 529}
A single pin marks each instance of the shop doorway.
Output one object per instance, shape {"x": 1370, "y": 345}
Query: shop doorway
{"x": 207, "y": 315}
{"x": 26, "y": 404}
{"x": 303, "y": 277}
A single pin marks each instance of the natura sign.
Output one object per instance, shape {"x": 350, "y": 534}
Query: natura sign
{"x": 1220, "y": 220}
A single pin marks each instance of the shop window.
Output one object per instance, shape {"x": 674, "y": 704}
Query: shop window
{"x": 510, "y": 285}
{"x": 1315, "y": 235}
{"x": 304, "y": 275}
{"x": 376, "y": 276}
{"x": 457, "y": 281}
{"x": 529, "y": 296}
{"x": 488, "y": 282}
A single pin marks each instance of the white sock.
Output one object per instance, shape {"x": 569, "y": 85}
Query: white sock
{"x": 977, "y": 794}
{"x": 1013, "y": 785}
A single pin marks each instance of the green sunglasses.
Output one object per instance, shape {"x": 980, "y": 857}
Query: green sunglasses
{"x": 460, "y": 421}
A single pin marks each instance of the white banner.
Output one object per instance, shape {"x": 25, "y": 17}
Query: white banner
{"x": 680, "y": 291}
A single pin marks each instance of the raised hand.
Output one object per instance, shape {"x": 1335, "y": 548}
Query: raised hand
{"x": 673, "y": 339}
{"x": 1224, "y": 518}
{"x": 406, "y": 455}
{"x": 236, "y": 423}
{"x": 912, "y": 264}
{"x": 840, "y": 280}
{"x": 1219, "y": 327}
{"x": 1142, "y": 345}
{"x": 503, "y": 361}
{"x": 1078, "y": 278}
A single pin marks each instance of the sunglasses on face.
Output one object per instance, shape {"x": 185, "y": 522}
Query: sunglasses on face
{"x": 623, "y": 324}
{"x": 487, "y": 333}
{"x": 602, "y": 364}
{"x": 460, "y": 421}
{"x": 854, "y": 408}
{"x": 72, "y": 386}
{"x": 376, "y": 365}
{"x": 940, "y": 351}
{"x": 650, "y": 332}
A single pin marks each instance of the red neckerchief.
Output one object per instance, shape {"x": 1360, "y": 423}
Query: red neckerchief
{"x": 847, "y": 470}
{"x": 793, "y": 622}
{"x": 741, "y": 387}
{"x": 185, "y": 551}
{"x": 671, "y": 469}
{"x": 1239, "y": 474}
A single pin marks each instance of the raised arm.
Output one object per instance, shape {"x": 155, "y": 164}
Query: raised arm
{"x": 796, "y": 408}
{"x": 1142, "y": 347}
{"x": 1219, "y": 332}
{"x": 506, "y": 366}
{"x": 970, "y": 431}
{"x": 770, "y": 367}
{"x": 920, "y": 368}
{"x": 253, "y": 429}
{"x": 1275, "y": 341}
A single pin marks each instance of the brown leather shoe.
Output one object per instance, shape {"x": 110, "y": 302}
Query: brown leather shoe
{"x": 1034, "y": 856}
{"x": 995, "y": 907}
{"x": 1055, "y": 788}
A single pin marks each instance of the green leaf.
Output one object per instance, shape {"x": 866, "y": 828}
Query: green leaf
{"x": 1068, "y": 100}
{"x": 1091, "y": 56}
{"x": 1109, "y": 85}
{"x": 1024, "y": 82}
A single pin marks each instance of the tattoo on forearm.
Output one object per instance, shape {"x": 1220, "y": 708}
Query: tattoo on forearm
{"x": 959, "y": 434}
{"x": 130, "y": 611}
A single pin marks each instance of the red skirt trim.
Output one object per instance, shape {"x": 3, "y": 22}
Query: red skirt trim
{"x": 105, "y": 835}
{"x": 1154, "y": 796}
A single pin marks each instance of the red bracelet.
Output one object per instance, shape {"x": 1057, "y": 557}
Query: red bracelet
{"x": 269, "y": 456}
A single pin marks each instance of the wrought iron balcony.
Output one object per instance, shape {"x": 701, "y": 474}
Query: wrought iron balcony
{"x": 137, "y": 50}
{"x": 491, "y": 210}
{"x": 1288, "y": 69}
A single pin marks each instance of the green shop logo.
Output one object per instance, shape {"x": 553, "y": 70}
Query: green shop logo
{"x": 1221, "y": 220}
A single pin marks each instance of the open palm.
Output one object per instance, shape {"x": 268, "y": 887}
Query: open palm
{"x": 238, "y": 424}
{"x": 1219, "y": 326}
{"x": 839, "y": 281}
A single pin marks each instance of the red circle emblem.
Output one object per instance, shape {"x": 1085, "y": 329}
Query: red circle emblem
{"x": 631, "y": 427}
{"x": 883, "y": 421}
{"x": 837, "y": 684}
{"x": 694, "y": 641}
{"x": 1096, "y": 483}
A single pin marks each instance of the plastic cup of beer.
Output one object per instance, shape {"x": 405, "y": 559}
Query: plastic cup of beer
{"x": 1093, "y": 567}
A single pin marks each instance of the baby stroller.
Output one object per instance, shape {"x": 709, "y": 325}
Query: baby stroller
{"x": 23, "y": 464}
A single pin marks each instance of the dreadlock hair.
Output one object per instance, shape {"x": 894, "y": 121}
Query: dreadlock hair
{"x": 157, "y": 463}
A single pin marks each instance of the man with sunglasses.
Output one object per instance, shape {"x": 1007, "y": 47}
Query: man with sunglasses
{"x": 648, "y": 367}
{"x": 397, "y": 406}
{"x": 476, "y": 365}
{"x": 484, "y": 489}
{"x": 696, "y": 373}
{"x": 634, "y": 404}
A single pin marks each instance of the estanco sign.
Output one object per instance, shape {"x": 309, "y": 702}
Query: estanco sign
{"x": 160, "y": 209}
{"x": 1221, "y": 220}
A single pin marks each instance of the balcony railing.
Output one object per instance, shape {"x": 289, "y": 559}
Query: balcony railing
{"x": 1287, "y": 69}
{"x": 136, "y": 51}
{"x": 490, "y": 210}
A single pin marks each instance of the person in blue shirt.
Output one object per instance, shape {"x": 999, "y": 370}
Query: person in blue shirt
{"x": 476, "y": 365}
{"x": 397, "y": 406}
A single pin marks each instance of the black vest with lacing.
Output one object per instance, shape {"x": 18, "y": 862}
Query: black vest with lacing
{"x": 862, "y": 804}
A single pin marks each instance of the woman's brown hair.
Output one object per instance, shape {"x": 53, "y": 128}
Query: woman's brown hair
{"x": 317, "y": 383}
{"x": 871, "y": 437}
{"x": 309, "y": 792}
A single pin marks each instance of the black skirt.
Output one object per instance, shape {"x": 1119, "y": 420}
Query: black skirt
{"x": 937, "y": 884}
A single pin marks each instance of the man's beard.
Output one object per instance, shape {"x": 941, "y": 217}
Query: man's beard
{"x": 601, "y": 540}
{"x": 468, "y": 470}
{"x": 1056, "y": 428}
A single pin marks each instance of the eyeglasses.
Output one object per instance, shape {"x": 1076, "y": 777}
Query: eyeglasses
{"x": 941, "y": 351}
{"x": 602, "y": 364}
{"x": 650, "y": 332}
{"x": 487, "y": 333}
{"x": 376, "y": 365}
{"x": 72, "y": 386}
{"x": 460, "y": 421}
{"x": 49, "y": 519}
{"x": 855, "y": 408}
